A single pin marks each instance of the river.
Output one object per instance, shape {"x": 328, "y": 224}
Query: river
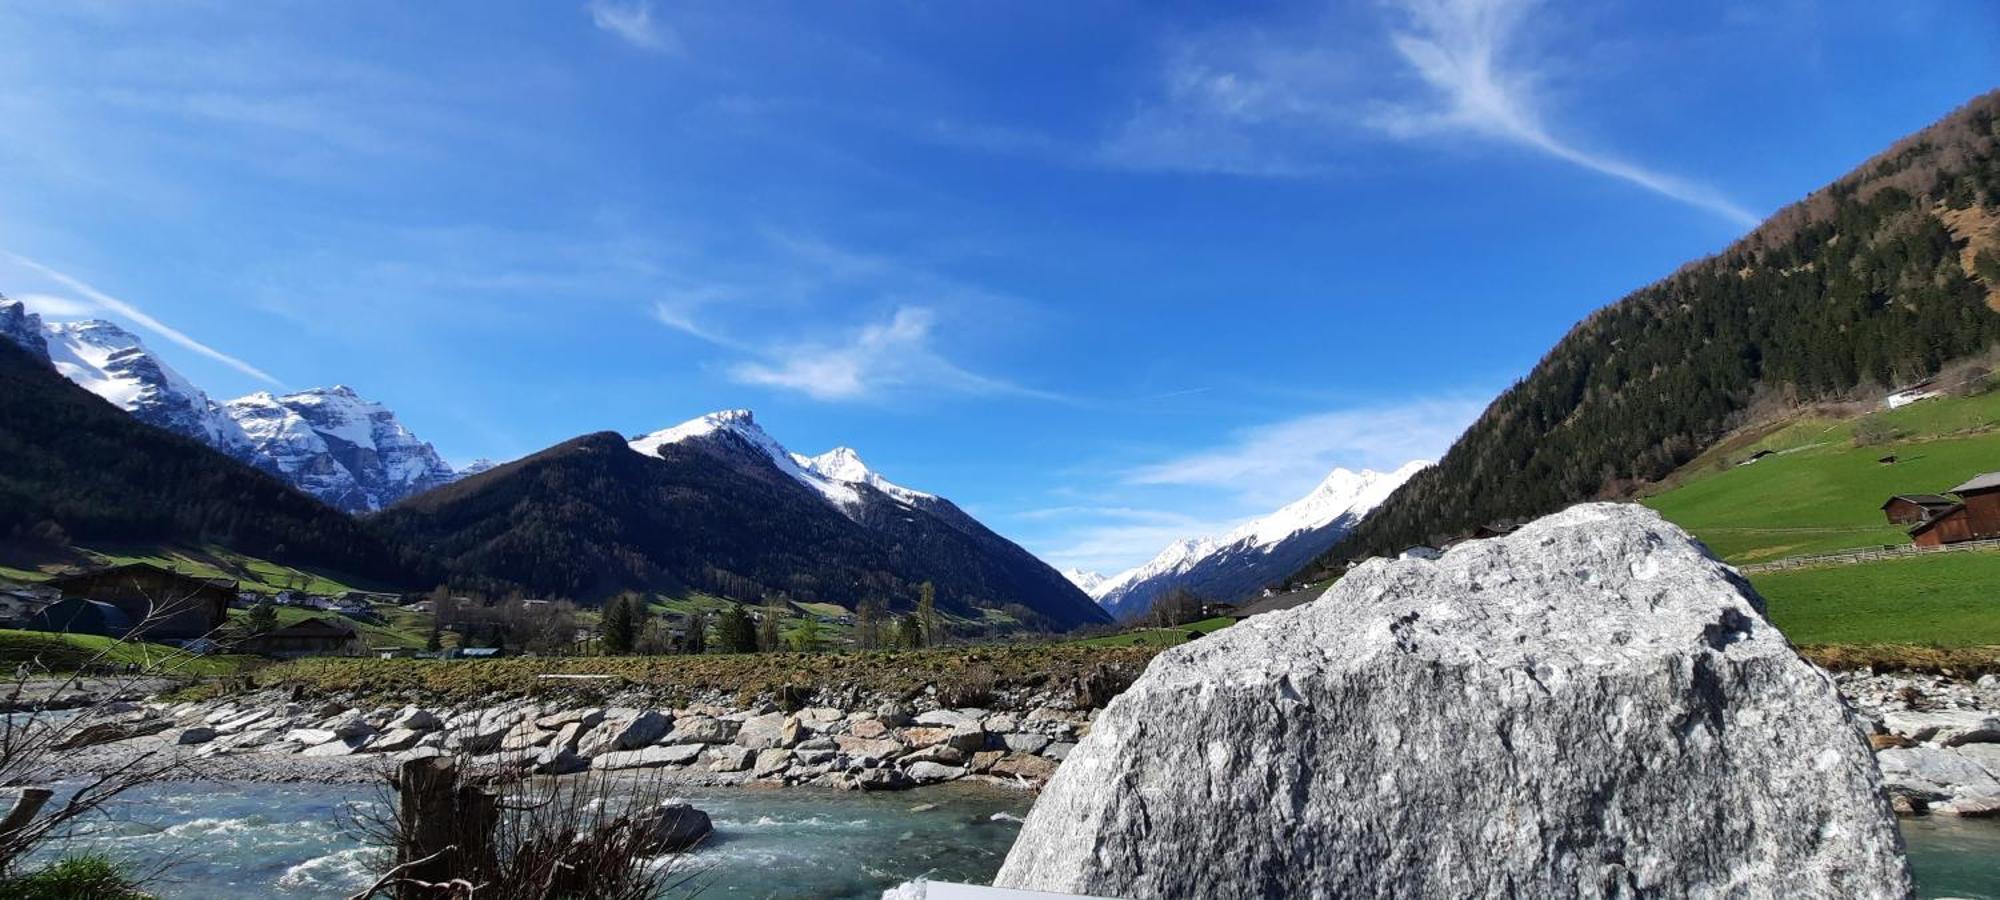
{"x": 230, "y": 840}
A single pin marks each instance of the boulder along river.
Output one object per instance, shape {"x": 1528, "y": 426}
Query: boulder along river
{"x": 239, "y": 839}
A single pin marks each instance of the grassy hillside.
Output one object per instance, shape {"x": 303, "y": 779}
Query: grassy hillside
{"x": 66, "y": 652}
{"x": 1889, "y": 273}
{"x": 1820, "y": 492}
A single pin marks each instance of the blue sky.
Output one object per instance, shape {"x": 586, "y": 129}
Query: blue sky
{"x": 1104, "y": 273}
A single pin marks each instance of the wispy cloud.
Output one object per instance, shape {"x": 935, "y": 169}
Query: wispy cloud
{"x": 632, "y": 21}
{"x": 56, "y": 307}
{"x": 140, "y": 318}
{"x": 1267, "y": 104}
{"x": 864, "y": 363}
{"x": 1468, "y": 53}
{"x": 1270, "y": 465}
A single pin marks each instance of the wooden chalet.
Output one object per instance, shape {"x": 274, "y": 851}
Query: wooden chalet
{"x": 159, "y": 604}
{"x": 1909, "y": 509}
{"x": 322, "y": 636}
{"x": 1974, "y": 517}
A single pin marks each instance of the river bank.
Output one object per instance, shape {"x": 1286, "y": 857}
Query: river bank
{"x": 1937, "y": 738}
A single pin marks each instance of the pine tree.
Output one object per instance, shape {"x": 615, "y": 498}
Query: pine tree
{"x": 620, "y": 626}
{"x": 435, "y": 642}
{"x": 261, "y": 619}
{"x": 736, "y": 632}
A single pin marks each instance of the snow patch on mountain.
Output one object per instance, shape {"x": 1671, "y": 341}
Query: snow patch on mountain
{"x": 113, "y": 364}
{"x": 334, "y": 444}
{"x": 1341, "y": 499}
{"x": 475, "y": 467}
{"x": 1085, "y": 580}
{"x": 834, "y": 475}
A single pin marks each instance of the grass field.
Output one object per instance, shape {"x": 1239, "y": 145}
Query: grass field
{"x": 207, "y": 562}
{"x": 961, "y": 676}
{"x": 1157, "y": 637}
{"x": 1819, "y": 492}
{"x": 1943, "y": 600}
{"x": 67, "y": 652}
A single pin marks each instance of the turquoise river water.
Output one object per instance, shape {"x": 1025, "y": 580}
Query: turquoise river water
{"x": 295, "y": 840}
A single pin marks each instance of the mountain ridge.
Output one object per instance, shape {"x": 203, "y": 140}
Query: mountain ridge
{"x": 1254, "y": 555}
{"x": 1880, "y": 278}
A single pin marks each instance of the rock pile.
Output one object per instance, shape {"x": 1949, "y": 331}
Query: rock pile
{"x": 1937, "y": 740}
{"x": 1592, "y": 705}
{"x": 873, "y": 749}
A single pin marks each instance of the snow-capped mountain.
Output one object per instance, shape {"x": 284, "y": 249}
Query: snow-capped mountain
{"x": 475, "y": 467}
{"x": 112, "y": 363}
{"x": 834, "y": 475}
{"x": 1239, "y": 564}
{"x": 22, "y": 327}
{"x": 719, "y": 504}
{"x": 340, "y": 447}
{"x": 1085, "y": 580}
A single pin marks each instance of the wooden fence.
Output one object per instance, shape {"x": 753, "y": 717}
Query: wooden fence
{"x": 1850, "y": 557}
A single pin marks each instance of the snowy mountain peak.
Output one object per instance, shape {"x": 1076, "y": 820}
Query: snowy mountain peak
{"x": 113, "y": 364}
{"x": 844, "y": 465}
{"x": 22, "y": 327}
{"x": 1259, "y": 550}
{"x": 743, "y": 425}
{"x": 1085, "y": 580}
{"x": 833, "y": 474}
{"x": 338, "y": 446}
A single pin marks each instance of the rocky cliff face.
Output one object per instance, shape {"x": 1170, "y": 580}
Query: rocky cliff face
{"x": 1591, "y": 706}
{"x": 22, "y": 327}
{"x": 335, "y": 445}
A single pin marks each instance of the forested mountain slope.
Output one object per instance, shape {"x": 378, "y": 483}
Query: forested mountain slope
{"x": 1873, "y": 281}
{"x": 594, "y": 516}
{"x": 74, "y": 466}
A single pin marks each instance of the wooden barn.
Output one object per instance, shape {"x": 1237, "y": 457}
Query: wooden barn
{"x": 1909, "y": 509}
{"x": 180, "y": 607}
{"x": 323, "y": 636}
{"x": 1975, "y": 516}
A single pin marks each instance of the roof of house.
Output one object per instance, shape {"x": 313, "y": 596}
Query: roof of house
{"x": 75, "y": 577}
{"x": 1979, "y": 484}
{"x": 1935, "y": 517}
{"x": 1938, "y": 500}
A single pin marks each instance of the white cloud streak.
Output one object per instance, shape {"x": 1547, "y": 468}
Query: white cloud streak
{"x": 56, "y": 307}
{"x": 865, "y": 364}
{"x": 1270, "y": 465}
{"x": 1281, "y": 105}
{"x": 1466, "y": 52}
{"x": 632, "y": 21}
{"x": 140, "y": 318}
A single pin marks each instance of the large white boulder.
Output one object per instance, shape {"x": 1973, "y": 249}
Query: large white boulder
{"x": 1591, "y": 706}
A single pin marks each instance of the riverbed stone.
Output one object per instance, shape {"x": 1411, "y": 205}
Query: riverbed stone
{"x": 763, "y": 732}
{"x": 1948, "y": 728}
{"x": 699, "y": 729}
{"x": 924, "y": 772}
{"x": 199, "y": 734}
{"x": 771, "y": 762}
{"x": 1541, "y": 714}
{"x": 414, "y": 718}
{"x": 729, "y": 758}
{"x": 1025, "y": 743}
{"x": 1932, "y": 773}
{"x": 871, "y": 749}
{"x": 1024, "y": 766}
{"x": 671, "y": 828}
{"x": 1059, "y": 750}
{"x": 869, "y": 728}
{"x": 394, "y": 740}
{"x": 648, "y": 757}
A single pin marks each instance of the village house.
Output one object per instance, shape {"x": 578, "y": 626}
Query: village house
{"x": 1975, "y": 516}
{"x": 1909, "y": 509}
{"x": 160, "y": 603}
{"x": 323, "y": 636}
